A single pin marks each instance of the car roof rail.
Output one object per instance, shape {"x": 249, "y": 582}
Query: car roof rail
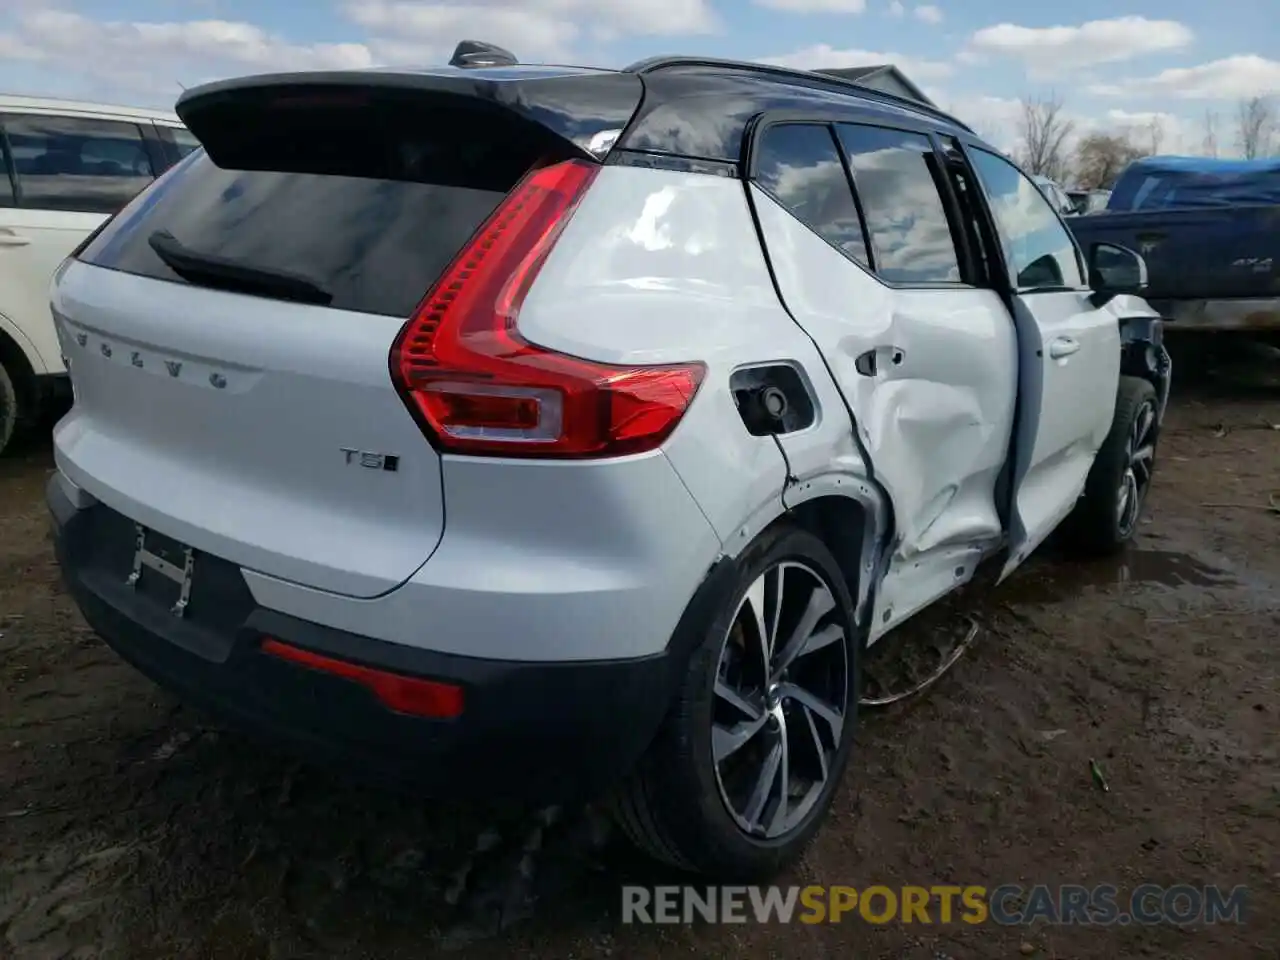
{"x": 478, "y": 53}
{"x": 794, "y": 75}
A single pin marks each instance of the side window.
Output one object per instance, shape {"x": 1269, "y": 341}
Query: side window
{"x": 897, "y": 177}
{"x": 72, "y": 163}
{"x": 799, "y": 164}
{"x": 7, "y": 196}
{"x": 184, "y": 141}
{"x": 1038, "y": 248}
{"x": 178, "y": 143}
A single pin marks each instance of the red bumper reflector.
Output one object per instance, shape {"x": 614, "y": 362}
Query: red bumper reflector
{"x": 409, "y": 695}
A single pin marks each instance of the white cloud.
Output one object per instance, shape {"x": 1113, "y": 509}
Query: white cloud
{"x": 152, "y": 57}
{"x": 62, "y": 34}
{"x": 928, "y": 13}
{"x": 897, "y": 9}
{"x": 145, "y": 62}
{"x": 998, "y": 120}
{"x": 824, "y": 57}
{"x": 815, "y": 6}
{"x": 1227, "y": 79}
{"x": 1055, "y": 50}
{"x": 993, "y": 118}
{"x": 427, "y": 32}
{"x": 14, "y": 48}
{"x": 1138, "y": 118}
{"x": 1157, "y": 131}
{"x": 533, "y": 29}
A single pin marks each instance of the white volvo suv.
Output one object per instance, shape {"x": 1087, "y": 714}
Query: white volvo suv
{"x": 555, "y": 432}
{"x": 65, "y": 167}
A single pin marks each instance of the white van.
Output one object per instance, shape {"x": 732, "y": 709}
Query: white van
{"x": 65, "y": 167}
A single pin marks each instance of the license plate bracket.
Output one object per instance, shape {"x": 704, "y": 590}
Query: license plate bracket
{"x": 173, "y": 561}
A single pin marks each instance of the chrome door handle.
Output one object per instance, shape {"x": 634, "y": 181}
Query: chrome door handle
{"x": 1063, "y": 347}
{"x": 10, "y": 239}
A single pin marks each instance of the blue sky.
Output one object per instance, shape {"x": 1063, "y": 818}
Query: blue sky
{"x": 1151, "y": 69}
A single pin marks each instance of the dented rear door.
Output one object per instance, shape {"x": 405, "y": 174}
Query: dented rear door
{"x": 925, "y": 361}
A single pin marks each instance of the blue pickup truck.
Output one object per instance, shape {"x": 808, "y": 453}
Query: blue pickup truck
{"x": 1209, "y": 231}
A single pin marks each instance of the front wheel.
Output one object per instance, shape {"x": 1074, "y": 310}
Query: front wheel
{"x": 1106, "y": 517}
{"x": 742, "y": 772}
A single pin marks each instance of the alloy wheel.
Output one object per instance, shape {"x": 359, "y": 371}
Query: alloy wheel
{"x": 1140, "y": 450}
{"x": 782, "y": 692}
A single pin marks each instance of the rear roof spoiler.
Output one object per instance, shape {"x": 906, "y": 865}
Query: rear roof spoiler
{"x": 586, "y": 109}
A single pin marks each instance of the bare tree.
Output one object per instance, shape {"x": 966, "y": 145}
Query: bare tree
{"x": 1101, "y": 157}
{"x": 1257, "y": 120}
{"x": 1043, "y": 132}
{"x": 1155, "y": 133}
{"x": 1209, "y": 145}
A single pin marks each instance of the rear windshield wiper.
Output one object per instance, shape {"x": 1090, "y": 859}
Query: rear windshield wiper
{"x": 214, "y": 271}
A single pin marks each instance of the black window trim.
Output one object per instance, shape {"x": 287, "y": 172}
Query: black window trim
{"x": 998, "y": 279}
{"x": 847, "y": 166}
{"x": 1010, "y": 276}
{"x": 151, "y": 142}
{"x": 763, "y": 122}
{"x": 8, "y": 114}
{"x": 972, "y": 270}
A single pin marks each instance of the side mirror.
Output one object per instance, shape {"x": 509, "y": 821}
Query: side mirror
{"x": 1115, "y": 270}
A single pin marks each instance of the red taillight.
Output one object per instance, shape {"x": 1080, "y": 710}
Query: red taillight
{"x": 409, "y": 695}
{"x": 478, "y": 387}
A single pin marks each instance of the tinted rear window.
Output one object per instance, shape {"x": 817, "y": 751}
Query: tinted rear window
{"x": 376, "y": 217}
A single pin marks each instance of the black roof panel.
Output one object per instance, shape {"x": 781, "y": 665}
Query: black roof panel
{"x": 700, "y": 108}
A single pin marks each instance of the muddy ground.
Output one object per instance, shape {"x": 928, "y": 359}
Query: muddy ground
{"x": 131, "y": 827}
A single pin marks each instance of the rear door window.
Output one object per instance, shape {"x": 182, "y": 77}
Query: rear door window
{"x": 76, "y": 164}
{"x": 369, "y": 211}
{"x": 897, "y": 178}
{"x": 799, "y": 164}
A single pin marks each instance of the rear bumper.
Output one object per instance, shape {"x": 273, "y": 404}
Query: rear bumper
{"x": 528, "y": 730}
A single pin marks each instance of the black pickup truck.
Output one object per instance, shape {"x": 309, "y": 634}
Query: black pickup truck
{"x": 1209, "y": 231}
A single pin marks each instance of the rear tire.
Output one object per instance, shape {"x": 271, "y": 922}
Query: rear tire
{"x": 1106, "y": 517}
{"x": 12, "y": 412}
{"x": 794, "y": 717}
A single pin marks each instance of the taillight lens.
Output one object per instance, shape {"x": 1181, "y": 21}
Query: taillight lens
{"x": 478, "y": 387}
